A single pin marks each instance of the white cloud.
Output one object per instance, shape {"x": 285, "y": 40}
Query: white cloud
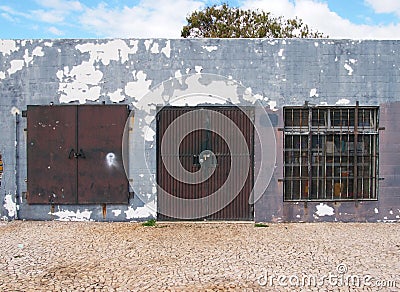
{"x": 384, "y": 6}
{"x": 48, "y": 16}
{"x": 55, "y": 31}
{"x": 319, "y": 17}
{"x": 149, "y": 19}
{"x": 61, "y": 5}
{"x": 8, "y": 17}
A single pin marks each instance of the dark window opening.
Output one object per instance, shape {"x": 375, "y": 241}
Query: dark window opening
{"x": 332, "y": 157}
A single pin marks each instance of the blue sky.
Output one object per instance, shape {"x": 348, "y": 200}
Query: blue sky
{"x": 25, "y": 19}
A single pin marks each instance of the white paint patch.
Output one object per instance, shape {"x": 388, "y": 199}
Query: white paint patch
{"x": 110, "y": 159}
{"x": 155, "y": 49}
{"x": 178, "y": 74}
{"x": 376, "y": 210}
{"x": 316, "y": 44}
{"x": 134, "y": 46}
{"x": 272, "y": 105}
{"x": 113, "y": 50}
{"x": 342, "y": 101}
{"x": 148, "y": 133}
{"x": 7, "y": 47}
{"x": 210, "y": 48}
{"x": 391, "y": 212}
{"x": 10, "y": 206}
{"x": 2, "y": 75}
{"x": 148, "y": 119}
{"x": 313, "y": 92}
{"x": 65, "y": 215}
{"x": 280, "y": 53}
{"x": 349, "y": 69}
{"x": 116, "y": 96}
{"x": 147, "y": 44}
{"x": 198, "y": 69}
{"x": 139, "y": 87}
{"x": 352, "y": 61}
{"x": 16, "y": 65}
{"x": 116, "y": 212}
{"x": 324, "y": 210}
{"x": 298, "y": 216}
{"x": 15, "y": 110}
{"x": 141, "y": 212}
{"x": 258, "y": 96}
{"x": 81, "y": 83}
{"x": 167, "y": 49}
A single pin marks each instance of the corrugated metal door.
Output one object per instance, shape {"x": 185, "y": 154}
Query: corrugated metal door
{"x": 75, "y": 154}
{"x": 204, "y": 148}
{"x": 101, "y": 175}
{"x": 52, "y": 174}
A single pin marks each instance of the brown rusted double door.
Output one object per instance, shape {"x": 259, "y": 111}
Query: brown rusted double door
{"x": 207, "y": 149}
{"x": 75, "y": 154}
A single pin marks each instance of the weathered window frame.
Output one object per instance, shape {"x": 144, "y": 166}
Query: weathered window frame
{"x": 328, "y": 156}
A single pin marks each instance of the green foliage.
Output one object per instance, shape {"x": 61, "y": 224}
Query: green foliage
{"x": 151, "y": 222}
{"x": 260, "y": 225}
{"x": 227, "y": 22}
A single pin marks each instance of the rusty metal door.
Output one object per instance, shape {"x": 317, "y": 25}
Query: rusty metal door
{"x": 101, "y": 175}
{"x": 52, "y": 177}
{"x": 75, "y": 154}
{"x": 207, "y": 149}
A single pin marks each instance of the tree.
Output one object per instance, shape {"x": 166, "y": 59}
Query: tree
{"x": 227, "y": 22}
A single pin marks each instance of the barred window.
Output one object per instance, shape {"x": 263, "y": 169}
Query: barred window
{"x": 330, "y": 153}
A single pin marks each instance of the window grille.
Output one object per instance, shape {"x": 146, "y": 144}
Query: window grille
{"x": 330, "y": 153}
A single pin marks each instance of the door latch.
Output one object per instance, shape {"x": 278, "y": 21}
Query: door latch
{"x": 72, "y": 153}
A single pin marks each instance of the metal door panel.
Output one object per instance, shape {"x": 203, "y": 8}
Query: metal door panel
{"x": 101, "y": 175}
{"x": 51, "y": 141}
{"x": 193, "y": 144}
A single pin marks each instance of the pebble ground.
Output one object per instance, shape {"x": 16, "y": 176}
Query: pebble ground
{"x": 89, "y": 256}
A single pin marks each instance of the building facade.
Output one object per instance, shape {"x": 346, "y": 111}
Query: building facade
{"x": 270, "y": 130}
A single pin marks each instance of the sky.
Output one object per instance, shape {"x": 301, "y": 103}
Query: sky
{"x": 54, "y": 19}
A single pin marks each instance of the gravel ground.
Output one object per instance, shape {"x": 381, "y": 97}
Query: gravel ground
{"x": 89, "y": 256}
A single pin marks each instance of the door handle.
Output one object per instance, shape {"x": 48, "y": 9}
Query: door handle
{"x": 80, "y": 154}
{"x": 71, "y": 153}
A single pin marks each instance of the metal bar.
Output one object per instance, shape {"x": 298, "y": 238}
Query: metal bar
{"x": 355, "y": 191}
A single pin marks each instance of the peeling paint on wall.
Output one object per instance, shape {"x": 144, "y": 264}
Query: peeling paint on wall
{"x": 10, "y": 206}
{"x": 343, "y": 101}
{"x": 16, "y": 65}
{"x": 66, "y": 215}
{"x": 7, "y": 47}
{"x": 141, "y": 212}
{"x": 324, "y": 210}
{"x": 167, "y": 49}
{"x": 139, "y": 87}
{"x": 113, "y": 50}
{"x": 313, "y": 92}
{"x": 116, "y": 212}
{"x": 116, "y": 96}
{"x": 210, "y": 48}
{"x": 80, "y": 83}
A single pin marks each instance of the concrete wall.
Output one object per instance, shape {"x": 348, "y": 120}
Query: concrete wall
{"x": 147, "y": 73}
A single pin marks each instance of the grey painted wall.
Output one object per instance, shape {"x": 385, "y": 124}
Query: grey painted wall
{"x": 275, "y": 72}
